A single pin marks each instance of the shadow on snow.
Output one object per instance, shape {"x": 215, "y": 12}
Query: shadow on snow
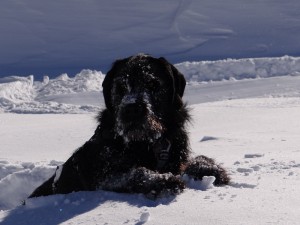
{"x": 57, "y": 209}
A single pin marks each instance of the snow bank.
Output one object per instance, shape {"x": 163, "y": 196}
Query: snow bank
{"x": 82, "y": 93}
{"x": 85, "y": 81}
{"x": 240, "y": 68}
{"x": 23, "y": 95}
{"x": 18, "y": 180}
{"x": 16, "y": 89}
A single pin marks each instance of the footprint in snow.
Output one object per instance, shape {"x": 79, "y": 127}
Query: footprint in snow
{"x": 250, "y": 156}
{"x": 208, "y": 138}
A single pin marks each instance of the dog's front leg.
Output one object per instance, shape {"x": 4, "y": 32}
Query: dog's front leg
{"x": 67, "y": 178}
{"x": 154, "y": 184}
{"x": 202, "y": 166}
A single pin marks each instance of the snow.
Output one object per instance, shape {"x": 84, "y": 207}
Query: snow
{"x": 54, "y": 37}
{"x": 244, "y": 101}
{"x": 203, "y": 185}
{"x": 144, "y": 217}
{"x": 249, "y": 123}
{"x": 81, "y": 94}
{"x": 240, "y": 68}
{"x": 60, "y": 95}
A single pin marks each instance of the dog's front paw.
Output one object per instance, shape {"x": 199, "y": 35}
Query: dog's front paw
{"x": 203, "y": 166}
{"x": 166, "y": 185}
{"x": 154, "y": 184}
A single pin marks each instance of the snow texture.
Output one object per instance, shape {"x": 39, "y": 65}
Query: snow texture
{"x": 248, "y": 125}
{"x": 245, "y": 111}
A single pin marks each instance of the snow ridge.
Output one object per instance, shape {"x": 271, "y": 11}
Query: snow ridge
{"x": 240, "y": 68}
{"x": 24, "y": 95}
{"x": 17, "y": 180}
{"x": 82, "y": 93}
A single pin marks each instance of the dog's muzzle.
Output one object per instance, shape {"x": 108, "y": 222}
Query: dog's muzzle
{"x": 136, "y": 120}
{"x": 133, "y": 112}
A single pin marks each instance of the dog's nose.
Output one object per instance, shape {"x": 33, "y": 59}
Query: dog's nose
{"x": 133, "y": 111}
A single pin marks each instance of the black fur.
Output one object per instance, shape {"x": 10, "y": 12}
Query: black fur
{"x": 141, "y": 144}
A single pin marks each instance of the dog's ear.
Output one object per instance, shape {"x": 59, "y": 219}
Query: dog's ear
{"x": 108, "y": 82}
{"x": 179, "y": 82}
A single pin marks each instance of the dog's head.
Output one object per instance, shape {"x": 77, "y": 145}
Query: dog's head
{"x": 140, "y": 91}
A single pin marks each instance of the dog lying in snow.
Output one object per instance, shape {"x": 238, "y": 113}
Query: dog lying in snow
{"x": 141, "y": 144}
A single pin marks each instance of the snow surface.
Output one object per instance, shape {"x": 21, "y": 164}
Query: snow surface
{"x": 53, "y": 37}
{"x": 244, "y": 118}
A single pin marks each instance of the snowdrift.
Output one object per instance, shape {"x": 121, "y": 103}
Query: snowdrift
{"x": 23, "y": 95}
{"x": 81, "y": 94}
{"x": 240, "y": 68}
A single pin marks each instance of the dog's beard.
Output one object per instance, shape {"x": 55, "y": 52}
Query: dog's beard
{"x": 148, "y": 129}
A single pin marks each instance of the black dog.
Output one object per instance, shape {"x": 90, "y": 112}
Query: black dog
{"x": 140, "y": 144}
